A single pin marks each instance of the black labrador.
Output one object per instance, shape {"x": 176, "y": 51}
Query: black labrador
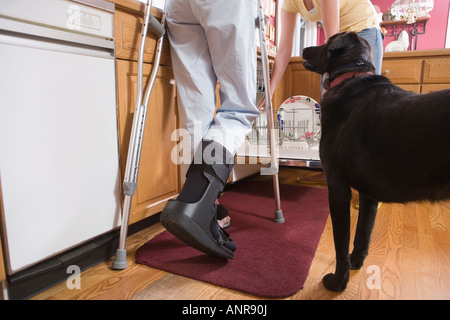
{"x": 389, "y": 144}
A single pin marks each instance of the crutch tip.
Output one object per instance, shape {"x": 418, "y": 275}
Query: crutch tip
{"x": 279, "y": 218}
{"x": 120, "y": 261}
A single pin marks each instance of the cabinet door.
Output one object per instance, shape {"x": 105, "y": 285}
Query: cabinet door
{"x": 158, "y": 175}
{"x": 436, "y": 71}
{"x": 303, "y": 82}
{"x": 127, "y": 33}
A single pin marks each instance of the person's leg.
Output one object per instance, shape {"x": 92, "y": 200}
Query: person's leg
{"x": 192, "y": 216}
{"x": 192, "y": 66}
{"x": 195, "y": 79}
{"x": 230, "y": 31}
{"x": 375, "y": 39}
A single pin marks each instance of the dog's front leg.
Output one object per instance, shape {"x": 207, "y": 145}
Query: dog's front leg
{"x": 366, "y": 220}
{"x": 339, "y": 199}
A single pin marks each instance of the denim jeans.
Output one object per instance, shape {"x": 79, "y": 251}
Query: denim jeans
{"x": 375, "y": 39}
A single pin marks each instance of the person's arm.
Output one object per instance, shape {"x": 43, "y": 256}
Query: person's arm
{"x": 284, "y": 52}
{"x": 330, "y": 17}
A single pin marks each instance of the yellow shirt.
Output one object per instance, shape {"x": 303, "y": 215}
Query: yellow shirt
{"x": 355, "y": 15}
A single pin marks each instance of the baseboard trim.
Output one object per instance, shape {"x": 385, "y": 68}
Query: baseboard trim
{"x": 35, "y": 279}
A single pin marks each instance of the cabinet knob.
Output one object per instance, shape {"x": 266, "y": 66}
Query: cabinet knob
{"x": 385, "y": 72}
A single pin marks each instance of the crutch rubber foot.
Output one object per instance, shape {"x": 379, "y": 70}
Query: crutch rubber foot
{"x": 279, "y": 218}
{"x": 120, "y": 261}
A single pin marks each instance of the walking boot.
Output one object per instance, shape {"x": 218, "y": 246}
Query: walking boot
{"x": 192, "y": 217}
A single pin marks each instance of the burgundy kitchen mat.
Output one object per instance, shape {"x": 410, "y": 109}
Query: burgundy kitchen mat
{"x": 272, "y": 260}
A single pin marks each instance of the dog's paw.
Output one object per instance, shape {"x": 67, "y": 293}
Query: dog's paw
{"x": 356, "y": 261}
{"x": 336, "y": 283}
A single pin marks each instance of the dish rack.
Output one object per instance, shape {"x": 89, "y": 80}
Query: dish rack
{"x": 297, "y": 131}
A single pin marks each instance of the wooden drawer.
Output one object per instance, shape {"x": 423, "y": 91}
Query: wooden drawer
{"x": 436, "y": 71}
{"x": 127, "y": 29}
{"x": 403, "y": 71}
{"x": 427, "y": 88}
{"x": 410, "y": 87}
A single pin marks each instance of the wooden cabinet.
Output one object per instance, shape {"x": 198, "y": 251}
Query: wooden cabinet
{"x": 158, "y": 175}
{"x": 127, "y": 28}
{"x": 427, "y": 88}
{"x": 403, "y": 71}
{"x": 304, "y": 82}
{"x": 2, "y": 265}
{"x": 418, "y": 71}
{"x": 297, "y": 81}
{"x": 158, "y": 178}
{"x": 436, "y": 70}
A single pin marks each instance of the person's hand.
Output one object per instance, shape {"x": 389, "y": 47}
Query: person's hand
{"x": 262, "y": 104}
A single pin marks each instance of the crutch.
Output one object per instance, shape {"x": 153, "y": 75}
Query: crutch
{"x": 137, "y": 130}
{"x": 273, "y": 169}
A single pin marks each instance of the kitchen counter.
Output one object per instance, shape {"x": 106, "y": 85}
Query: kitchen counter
{"x": 418, "y": 53}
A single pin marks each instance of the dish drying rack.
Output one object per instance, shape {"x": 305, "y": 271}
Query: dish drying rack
{"x": 297, "y": 131}
{"x": 289, "y": 133}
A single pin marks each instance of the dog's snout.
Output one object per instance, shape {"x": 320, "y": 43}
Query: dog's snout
{"x": 310, "y": 62}
{"x": 306, "y": 53}
{"x": 307, "y": 62}
{"x": 312, "y": 58}
{"x": 307, "y": 65}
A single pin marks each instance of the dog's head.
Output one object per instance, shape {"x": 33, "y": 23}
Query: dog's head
{"x": 344, "y": 52}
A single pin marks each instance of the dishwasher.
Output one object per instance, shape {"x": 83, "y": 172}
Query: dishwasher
{"x": 59, "y": 153}
{"x": 297, "y": 130}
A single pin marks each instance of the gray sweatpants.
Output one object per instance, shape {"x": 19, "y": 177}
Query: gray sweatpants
{"x": 210, "y": 41}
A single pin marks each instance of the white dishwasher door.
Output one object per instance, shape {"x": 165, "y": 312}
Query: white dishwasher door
{"x": 59, "y": 158}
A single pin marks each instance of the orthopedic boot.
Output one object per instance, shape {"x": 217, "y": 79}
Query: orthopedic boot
{"x": 192, "y": 217}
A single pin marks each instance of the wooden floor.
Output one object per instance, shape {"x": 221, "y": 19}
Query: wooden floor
{"x": 409, "y": 259}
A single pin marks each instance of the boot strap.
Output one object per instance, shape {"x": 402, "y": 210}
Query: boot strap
{"x": 220, "y": 171}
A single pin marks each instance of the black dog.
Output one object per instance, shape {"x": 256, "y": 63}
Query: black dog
{"x": 389, "y": 144}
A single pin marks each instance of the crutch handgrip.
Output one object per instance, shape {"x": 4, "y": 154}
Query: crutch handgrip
{"x": 156, "y": 27}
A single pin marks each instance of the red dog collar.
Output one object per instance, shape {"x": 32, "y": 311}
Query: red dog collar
{"x": 348, "y": 75}
{"x": 341, "y": 78}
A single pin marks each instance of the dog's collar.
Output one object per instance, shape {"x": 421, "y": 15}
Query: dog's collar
{"x": 345, "y": 76}
{"x": 329, "y": 80}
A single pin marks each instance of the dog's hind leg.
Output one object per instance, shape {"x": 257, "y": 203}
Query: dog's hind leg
{"x": 366, "y": 220}
{"x": 339, "y": 199}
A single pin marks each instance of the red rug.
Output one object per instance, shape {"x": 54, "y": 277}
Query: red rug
{"x": 272, "y": 260}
